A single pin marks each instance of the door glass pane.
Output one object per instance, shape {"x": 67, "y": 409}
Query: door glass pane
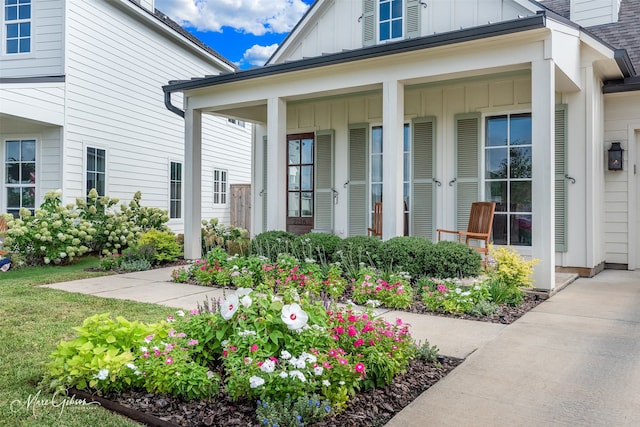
{"x": 497, "y": 192}
{"x": 376, "y": 194}
{"x": 520, "y": 162}
{"x": 294, "y": 177}
{"x": 294, "y": 152}
{"x": 307, "y": 151}
{"x": 496, "y": 163}
{"x": 307, "y": 204}
{"x": 520, "y": 196}
{"x": 376, "y": 140}
{"x": 521, "y": 230}
{"x": 294, "y": 204}
{"x": 497, "y": 131}
{"x": 307, "y": 178}
{"x": 13, "y": 173}
{"x": 499, "y": 229}
{"x": 520, "y": 129}
{"x": 376, "y": 168}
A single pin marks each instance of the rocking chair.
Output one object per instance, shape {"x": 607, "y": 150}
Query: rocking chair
{"x": 479, "y": 228}
{"x": 376, "y": 229}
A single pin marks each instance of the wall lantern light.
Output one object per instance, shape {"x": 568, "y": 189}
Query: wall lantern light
{"x": 615, "y": 157}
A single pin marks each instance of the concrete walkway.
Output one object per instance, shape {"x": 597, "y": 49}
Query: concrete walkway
{"x": 572, "y": 361}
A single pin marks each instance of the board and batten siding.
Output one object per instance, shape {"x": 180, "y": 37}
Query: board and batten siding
{"x": 116, "y": 67}
{"x": 351, "y": 24}
{"x": 47, "y": 44}
{"x": 620, "y": 116}
{"x": 589, "y": 13}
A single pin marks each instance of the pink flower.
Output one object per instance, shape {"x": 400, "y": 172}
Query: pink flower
{"x": 359, "y": 367}
{"x": 343, "y": 361}
{"x": 169, "y": 361}
{"x": 254, "y": 348}
{"x": 327, "y": 365}
{"x": 398, "y": 322}
{"x": 194, "y": 311}
{"x": 224, "y": 353}
{"x": 149, "y": 338}
{"x": 333, "y": 353}
{"x": 339, "y": 330}
{"x": 170, "y": 319}
{"x": 352, "y": 331}
{"x": 172, "y": 333}
{"x": 193, "y": 342}
{"x": 145, "y": 355}
{"x": 358, "y": 342}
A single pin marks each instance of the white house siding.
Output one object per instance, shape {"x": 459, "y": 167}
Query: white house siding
{"x": 338, "y": 24}
{"x": 116, "y": 66}
{"x": 589, "y": 13}
{"x": 41, "y": 102}
{"x": 622, "y": 120}
{"x": 46, "y": 58}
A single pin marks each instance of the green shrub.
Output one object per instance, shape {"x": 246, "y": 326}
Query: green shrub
{"x": 272, "y": 243}
{"x": 405, "y": 253}
{"x": 354, "y": 250}
{"x": 511, "y": 268}
{"x": 320, "y": 247}
{"x": 163, "y": 243}
{"x": 451, "y": 259}
{"x": 302, "y": 411}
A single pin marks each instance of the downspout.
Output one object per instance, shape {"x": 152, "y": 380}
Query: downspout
{"x": 169, "y": 105}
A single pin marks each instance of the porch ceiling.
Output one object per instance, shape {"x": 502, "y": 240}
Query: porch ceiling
{"x": 18, "y": 125}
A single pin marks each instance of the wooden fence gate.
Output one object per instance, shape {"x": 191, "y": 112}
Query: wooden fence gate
{"x": 240, "y": 206}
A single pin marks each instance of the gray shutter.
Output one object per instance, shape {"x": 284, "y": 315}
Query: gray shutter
{"x": 422, "y": 193}
{"x": 413, "y": 10}
{"x": 265, "y": 174}
{"x": 323, "y": 169}
{"x": 467, "y": 165}
{"x": 561, "y": 181}
{"x": 358, "y": 179}
{"x": 368, "y": 22}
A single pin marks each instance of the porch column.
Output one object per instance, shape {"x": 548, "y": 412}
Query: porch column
{"x": 543, "y": 172}
{"x": 276, "y": 159}
{"x": 393, "y": 159}
{"x": 192, "y": 183}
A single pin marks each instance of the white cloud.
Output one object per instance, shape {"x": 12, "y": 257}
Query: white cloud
{"x": 246, "y": 16}
{"x": 257, "y": 55}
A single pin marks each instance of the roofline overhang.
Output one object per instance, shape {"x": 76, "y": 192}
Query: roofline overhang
{"x": 630, "y": 84}
{"x": 534, "y": 22}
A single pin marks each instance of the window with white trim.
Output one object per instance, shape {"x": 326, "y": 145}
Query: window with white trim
{"x": 175, "y": 191}
{"x": 17, "y": 26}
{"x": 219, "y": 186}
{"x": 390, "y": 19}
{"x": 507, "y": 175}
{"x": 376, "y": 167}
{"x": 237, "y": 122}
{"x": 20, "y": 175}
{"x": 96, "y": 170}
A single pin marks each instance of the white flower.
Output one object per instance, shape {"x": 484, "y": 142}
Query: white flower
{"x": 318, "y": 370}
{"x": 458, "y": 291}
{"x": 326, "y": 383}
{"x": 283, "y": 374}
{"x": 143, "y": 349}
{"x": 255, "y": 381}
{"x": 268, "y": 366}
{"x": 294, "y": 316}
{"x": 229, "y": 306}
{"x": 298, "y": 374}
{"x": 103, "y": 374}
{"x": 310, "y": 357}
{"x": 210, "y": 374}
{"x": 180, "y": 313}
{"x": 246, "y": 301}
{"x": 243, "y": 294}
{"x": 298, "y": 362}
{"x": 285, "y": 355}
{"x": 246, "y": 333}
{"x": 309, "y": 260}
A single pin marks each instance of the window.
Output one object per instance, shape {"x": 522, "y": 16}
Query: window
{"x": 237, "y": 122}
{"x": 17, "y": 26}
{"x": 175, "y": 190}
{"x": 406, "y": 180}
{"x": 219, "y": 187}
{"x": 20, "y": 175}
{"x": 390, "y": 19}
{"x": 96, "y": 171}
{"x": 376, "y": 166}
{"x": 508, "y": 177}
{"x": 300, "y": 176}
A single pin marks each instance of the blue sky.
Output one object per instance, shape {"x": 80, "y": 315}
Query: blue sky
{"x": 246, "y": 32}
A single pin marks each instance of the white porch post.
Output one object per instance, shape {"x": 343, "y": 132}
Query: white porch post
{"x": 543, "y": 173}
{"x": 393, "y": 159}
{"x": 276, "y": 156}
{"x": 192, "y": 183}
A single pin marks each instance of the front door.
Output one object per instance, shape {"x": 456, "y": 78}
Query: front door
{"x": 300, "y": 183}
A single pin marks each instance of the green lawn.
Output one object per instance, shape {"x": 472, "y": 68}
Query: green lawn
{"x": 32, "y": 322}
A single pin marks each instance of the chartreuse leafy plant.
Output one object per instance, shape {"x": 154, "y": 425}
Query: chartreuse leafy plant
{"x": 510, "y": 273}
{"x": 115, "y": 355}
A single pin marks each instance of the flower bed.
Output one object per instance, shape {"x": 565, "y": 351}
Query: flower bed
{"x": 255, "y": 345}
